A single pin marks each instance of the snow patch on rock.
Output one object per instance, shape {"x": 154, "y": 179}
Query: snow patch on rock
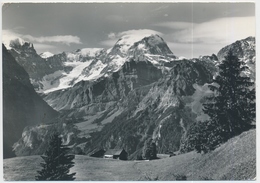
{"x": 46, "y": 54}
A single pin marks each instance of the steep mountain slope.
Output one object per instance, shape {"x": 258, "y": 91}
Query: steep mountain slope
{"x": 73, "y": 63}
{"x": 21, "y": 105}
{"x": 245, "y": 50}
{"x": 26, "y": 56}
{"x": 163, "y": 113}
{"x": 102, "y": 98}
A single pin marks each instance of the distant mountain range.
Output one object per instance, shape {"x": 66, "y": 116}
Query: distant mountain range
{"x": 122, "y": 97}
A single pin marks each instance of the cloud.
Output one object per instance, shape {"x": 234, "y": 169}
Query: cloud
{"x": 175, "y": 25}
{"x": 194, "y": 39}
{"x": 39, "y": 46}
{"x": 223, "y": 30}
{"x": 141, "y": 32}
{"x": 135, "y": 34}
{"x": 19, "y": 28}
{"x": 66, "y": 39}
{"x": 108, "y": 43}
{"x": 8, "y": 35}
{"x": 111, "y": 35}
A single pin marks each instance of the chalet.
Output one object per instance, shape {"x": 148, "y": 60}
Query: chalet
{"x": 98, "y": 153}
{"x": 116, "y": 154}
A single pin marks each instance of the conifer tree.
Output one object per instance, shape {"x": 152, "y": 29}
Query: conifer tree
{"x": 232, "y": 108}
{"x": 57, "y": 162}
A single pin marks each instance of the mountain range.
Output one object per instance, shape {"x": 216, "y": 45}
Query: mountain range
{"x": 121, "y": 97}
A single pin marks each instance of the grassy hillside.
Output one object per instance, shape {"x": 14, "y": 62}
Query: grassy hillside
{"x": 234, "y": 160}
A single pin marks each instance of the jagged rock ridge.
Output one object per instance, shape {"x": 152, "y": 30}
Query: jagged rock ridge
{"x": 64, "y": 70}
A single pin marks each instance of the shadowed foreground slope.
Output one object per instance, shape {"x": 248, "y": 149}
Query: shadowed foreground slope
{"x": 22, "y": 106}
{"x": 234, "y": 160}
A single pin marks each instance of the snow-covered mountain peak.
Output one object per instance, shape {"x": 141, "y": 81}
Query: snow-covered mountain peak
{"x": 144, "y": 45}
{"x": 46, "y": 54}
{"x": 131, "y": 40}
{"x": 243, "y": 48}
{"x": 83, "y": 54}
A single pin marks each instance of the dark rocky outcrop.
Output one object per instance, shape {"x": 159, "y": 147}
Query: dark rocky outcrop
{"x": 21, "y": 105}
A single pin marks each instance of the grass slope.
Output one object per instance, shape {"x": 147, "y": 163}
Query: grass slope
{"x": 234, "y": 160}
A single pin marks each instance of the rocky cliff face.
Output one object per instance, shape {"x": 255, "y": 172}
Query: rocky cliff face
{"x": 162, "y": 111}
{"x": 97, "y": 103}
{"x": 21, "y": 105}
{"x": 26, "y": 56}
{"x": 245, "y": 50}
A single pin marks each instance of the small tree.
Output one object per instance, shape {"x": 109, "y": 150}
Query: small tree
{"x": 149, "y": 150}
{"x": 57, "y": 162}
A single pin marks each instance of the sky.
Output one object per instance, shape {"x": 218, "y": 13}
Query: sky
{"x": 189, "y": 29}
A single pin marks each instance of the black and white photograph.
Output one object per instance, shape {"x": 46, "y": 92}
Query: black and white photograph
{"x": 129, "y": 91}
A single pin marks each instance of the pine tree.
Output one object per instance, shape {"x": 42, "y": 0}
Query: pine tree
{"x": 232, "y": 108}
{"x": 57, "y": 162}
